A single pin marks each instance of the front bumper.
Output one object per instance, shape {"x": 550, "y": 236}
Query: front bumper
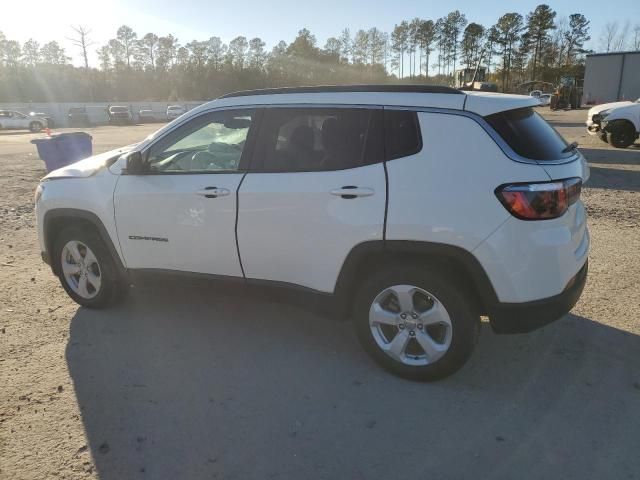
{"x": 528, "y": 316}
{"x": 593, "y": 124}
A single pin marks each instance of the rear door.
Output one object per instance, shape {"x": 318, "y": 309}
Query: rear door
{"x": 316, "y": 188}
{"x": 21, "y": 120}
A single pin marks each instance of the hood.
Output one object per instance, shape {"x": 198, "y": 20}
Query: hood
{"x": 88, "y": 166}
{"x": 607, "y": 106}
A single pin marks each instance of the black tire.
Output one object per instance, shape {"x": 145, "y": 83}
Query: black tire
{"x": 621, "y": 134}
{"x": 112, "y": 288}
{"x": 603, "y": 136}
{"x": 465, "y": 320}
{"x": 35, "y": 127}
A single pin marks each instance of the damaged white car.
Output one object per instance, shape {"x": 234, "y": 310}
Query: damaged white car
{"x": 616, "y": 123}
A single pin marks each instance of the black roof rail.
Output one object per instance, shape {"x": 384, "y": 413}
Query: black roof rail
{"x": 347, "y": 88}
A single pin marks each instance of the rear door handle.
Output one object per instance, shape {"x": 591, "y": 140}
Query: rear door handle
{"x": 351, "y": 191}
{"x": 213, "y": 192}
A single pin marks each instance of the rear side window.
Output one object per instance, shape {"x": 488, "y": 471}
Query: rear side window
{"x": 402, "y": 133}
{"x": 318, "y": 139}
{"x": 529, "y": 135}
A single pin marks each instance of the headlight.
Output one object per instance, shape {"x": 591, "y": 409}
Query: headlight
{"x": 39, "y": 192}
{"x": 604, "y": 113}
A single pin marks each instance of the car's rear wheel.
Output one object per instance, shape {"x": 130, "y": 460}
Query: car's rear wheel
{"x": 35, "y": 126}
{"x": 415, "y": 322}
{"x": 86, "y": 269}
{"x": 621, "y": 134}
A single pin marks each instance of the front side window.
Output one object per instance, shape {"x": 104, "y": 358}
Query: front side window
{"x": 318, "y": 139}
{"x": 529, "y": 135}
{"x": 209, "y": 143}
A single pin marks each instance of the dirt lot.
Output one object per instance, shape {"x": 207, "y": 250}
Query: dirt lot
{"x": 186, "y": 381}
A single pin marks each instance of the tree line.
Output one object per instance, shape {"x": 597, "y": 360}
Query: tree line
{"x": 536, "y": 46}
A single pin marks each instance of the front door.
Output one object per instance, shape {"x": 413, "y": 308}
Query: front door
{"x": 181, "y": 215}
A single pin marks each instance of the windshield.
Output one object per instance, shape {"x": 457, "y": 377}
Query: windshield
{"x": 529, "y": 135}
{"x": 119, "y": 109}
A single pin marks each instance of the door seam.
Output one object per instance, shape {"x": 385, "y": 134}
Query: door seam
{"x": 236, "y": 225}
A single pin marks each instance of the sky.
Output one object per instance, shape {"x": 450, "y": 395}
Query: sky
{"x": 272, "y": 21}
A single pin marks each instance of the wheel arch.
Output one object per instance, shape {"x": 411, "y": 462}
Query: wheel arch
{"x": 56, "y": 220}
{"x": 455, "y": 261}
{"x": 621, "y": 120}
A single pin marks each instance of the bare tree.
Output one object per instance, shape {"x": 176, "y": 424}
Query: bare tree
{"x": 608, "y": 36}
{"x": 635, "y": 43}
{"x": 82, "y": 41}
{"x": 621, "y": 41}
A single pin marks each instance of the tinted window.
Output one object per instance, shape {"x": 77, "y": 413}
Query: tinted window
{"x": 208, "y": 143}
{"x": 402, "y": 133}
{"x": 317, "y": 139}
{"x": 528, "y": 134}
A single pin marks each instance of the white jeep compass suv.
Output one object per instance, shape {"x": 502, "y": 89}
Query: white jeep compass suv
{"x": 415, "y": 209}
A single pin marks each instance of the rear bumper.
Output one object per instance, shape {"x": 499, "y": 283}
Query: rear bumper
{"x": 528, "y": 316}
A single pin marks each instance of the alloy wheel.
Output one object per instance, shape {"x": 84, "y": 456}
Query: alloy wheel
{"x": 410, "y": 325}
{"x": 81, "y": 269}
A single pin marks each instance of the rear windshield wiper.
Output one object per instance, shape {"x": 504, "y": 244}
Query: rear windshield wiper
{"x": 570, "y": 147}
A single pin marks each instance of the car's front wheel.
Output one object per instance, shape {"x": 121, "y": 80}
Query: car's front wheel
{"x": 416, "y": 322}
{"x": 621, "y": 134}
{"x": 35, "y": 127}
{"x": 86, "y": 269}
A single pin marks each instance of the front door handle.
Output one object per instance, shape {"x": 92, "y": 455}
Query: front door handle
{"x": 351, "y": 191}
{"x": 213, "y": 192}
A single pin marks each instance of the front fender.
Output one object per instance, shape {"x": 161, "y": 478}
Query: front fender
{"x": 629, "y": 113}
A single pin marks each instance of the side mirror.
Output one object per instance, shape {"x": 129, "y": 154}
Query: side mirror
{"x": 135, "y": 165}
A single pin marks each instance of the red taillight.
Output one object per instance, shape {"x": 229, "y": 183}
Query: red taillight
{"x": 540, "y": 201}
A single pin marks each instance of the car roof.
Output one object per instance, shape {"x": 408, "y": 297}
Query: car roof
{"x": 412, "y": 96}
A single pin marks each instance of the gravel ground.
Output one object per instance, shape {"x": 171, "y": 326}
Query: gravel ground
{"x": 194, "y": 381}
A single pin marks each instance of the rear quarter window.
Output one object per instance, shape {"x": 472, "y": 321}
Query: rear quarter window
{"x": 529, "y": 135}
{"x": 402, "y": 132}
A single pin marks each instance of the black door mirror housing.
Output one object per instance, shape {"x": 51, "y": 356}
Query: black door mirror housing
{"x": 135, "y": 164}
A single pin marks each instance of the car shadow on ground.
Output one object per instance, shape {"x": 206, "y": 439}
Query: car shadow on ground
{"x": 10, "y": 133}
{"x": 614, "y": 179}
{"x": 627, "y": 156}
{"x": 561, "y": 124}
{"x": 190, "y": 381}
{"x": 613, "y": 169}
